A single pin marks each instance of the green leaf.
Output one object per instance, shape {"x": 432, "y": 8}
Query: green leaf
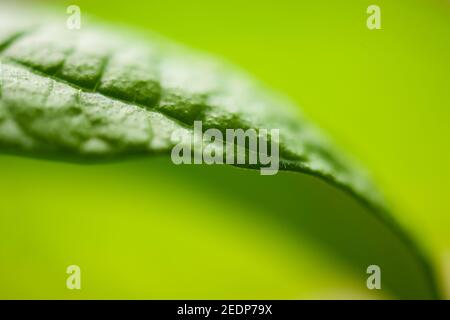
{"x": 89, "y": 94}
{"x": 104, "y": 94}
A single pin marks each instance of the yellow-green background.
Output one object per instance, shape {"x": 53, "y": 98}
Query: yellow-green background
{"x": 140, "y": 230}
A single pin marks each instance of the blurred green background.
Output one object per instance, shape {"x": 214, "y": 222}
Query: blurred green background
{"x": 147, "y": 229}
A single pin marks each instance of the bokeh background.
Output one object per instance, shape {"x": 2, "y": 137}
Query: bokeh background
{"x": 147, "y": 229}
